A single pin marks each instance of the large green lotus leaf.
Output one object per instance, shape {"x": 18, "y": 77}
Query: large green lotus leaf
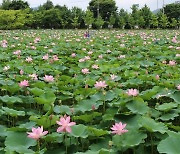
{"x": 166, "y": 106}
{"x": 97, "y": 132}
{"x": 1, "y": 112}
{"x": 177, "y": 128}
{"x": 110, "y": 95}
{"x": 12, "y": 112}
{"x": 110, "y": 113}
{"x": 36, "y": 91}
{"x": 45, "y": 121}
{"x": 97, "y": 97}
{"x": 3, "y": 132}
{"x": 101, "y": 151}
{"x": 27, "y": 125}
{"x": 29, "y": 69}
{"x": 164, "y": 93}
{"x": 79, "y": 131}
{"x": 39, "y": 84}
{"x": 130, "y": 139}
{"x": 151, "y": 125}
{"x": 147, "y": 95}
{"x": 47, "y": 98}
{"x": 100, "y": 143}
{"x": 107, "y": 151}
{"x": 169, "y": 115}
{"x": 54, "y": 137}
{"x": 88, "y": 152}
{"x": 63, "y": 109}
{"x": 170, "y": 145}
{"x": 56, "y": 151}
{"x": 134, "y": 82}
{"x": 138, "y": 106}
{"x": 176, "y": 97}
{"x": 11, "y": 99}
{"x": 13, "y": 88}
{"x": 86, "y": 105}
{"x": 19, "y": 142}
{"x": 88, "y": 117}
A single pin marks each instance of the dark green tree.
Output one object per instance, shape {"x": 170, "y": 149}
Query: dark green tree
{"x": 51, "y": 19}
{"x": 123, "y": 18}
{"x": 18, "y": 5}
{"x": 154, "y": 21}
{"x": 103, "y": 8}
{"x": 77, "y": 15}
{"x": 135, "y": 14}
{"x": 146, "y": 13}
{"x": 99, "y": 22}
{"x": 65, "y": 15}
{"x": 163, "y": 21}
{"x": 47, "y": 6}
{"x": 88, "y": 18}
{"x": 112, "y": 21}
{"x": 141, "y": 22}
{"x": 5, "y": 4}
{"x": 173, "y": 23}
{"x": 172, "y": 11}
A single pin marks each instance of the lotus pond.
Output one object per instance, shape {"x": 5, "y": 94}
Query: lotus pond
{"x": 114, "y": 92}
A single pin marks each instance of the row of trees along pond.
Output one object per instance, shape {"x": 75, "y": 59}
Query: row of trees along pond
{"x": 17, "y": 14}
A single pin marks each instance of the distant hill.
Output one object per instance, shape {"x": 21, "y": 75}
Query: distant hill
{"x": 34, "y": 8}
{"x": 156, "y": 11}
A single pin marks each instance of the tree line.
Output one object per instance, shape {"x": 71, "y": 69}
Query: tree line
{"x": 17, "y": 14}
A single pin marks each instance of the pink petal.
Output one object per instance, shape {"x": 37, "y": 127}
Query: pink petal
{"x": 71, "y": 123}
{"x": 60, "y": 129}
{"x": 68, "y": 129}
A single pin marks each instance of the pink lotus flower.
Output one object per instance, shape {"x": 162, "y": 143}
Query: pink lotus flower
{"x": 33, "y": 76}
{"x": 132, "y": 92}
{"x": 174, "y": 40}
{"x": 100, "y": 84}
{"x": 4, "y": 44}
{"x": 46, "y": 57}
{"x": 65, "y": 124}
{"x": 24, "y": 83}
{"x": 18, "y": 52}
{"x": 170, "y": 47}
{"x": 50, "y": 50}
{"x": 178, "y": 87}
{"x": 21, "y": 72}
{"x": 87, "y": 58}
{"x": 6, "y": 68}
{"x": 48, "y": 78}
{"x": 37, "y": 133}
{"x": 113, "y": 76}
{"x": 55, "y": 58}
{"x": 118, "y": 128}
{"x": 100, "y": 56}
{"x": 164, "y": 61}
{"x": 177, "y": 55}
{"x": 37, "y": 39}
{"x": 33, "y": 47}
{"x": 29, "y": 59}
{"x": 85, "y": 71}
{"x": 90, "y": 52}
{"x": 122, "y": 56}
{"x": 73, "y": 55}
{"x": 157, "y": 77}
{"x": 172, "y": 62}
{"x": 95, "y": 66}
{"x": 81, "y": 60}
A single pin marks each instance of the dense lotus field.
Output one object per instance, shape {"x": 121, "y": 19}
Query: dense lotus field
{"x": 111, "y": 93}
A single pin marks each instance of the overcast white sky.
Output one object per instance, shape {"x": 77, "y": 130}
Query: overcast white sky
{"x": 126, "y": 4}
